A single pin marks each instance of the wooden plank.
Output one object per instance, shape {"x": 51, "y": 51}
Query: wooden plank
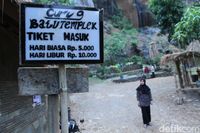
{"x": 63, "y": 98}
{"x": 53, "y": 114}
{"x": 43, "y": 80}
{"x": 38, "y": 81}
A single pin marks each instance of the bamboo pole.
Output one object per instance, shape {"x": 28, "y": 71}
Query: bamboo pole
{"x": 63, "y": 99}
{"x": 177, "y": 62}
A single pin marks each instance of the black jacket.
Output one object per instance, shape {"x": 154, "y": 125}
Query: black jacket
{"x": 144, "y": 95}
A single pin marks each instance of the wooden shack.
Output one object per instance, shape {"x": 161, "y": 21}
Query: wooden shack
{"x": 186, "y": 63}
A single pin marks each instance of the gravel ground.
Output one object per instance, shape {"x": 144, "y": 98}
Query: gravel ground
{"x": 112, "y": 108}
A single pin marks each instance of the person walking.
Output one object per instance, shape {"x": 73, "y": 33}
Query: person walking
{"x": 152, "y": 71}
{"x": 144, "y": 98}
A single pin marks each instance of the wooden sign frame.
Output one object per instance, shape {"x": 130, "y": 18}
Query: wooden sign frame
{"x": 23, "y": 45}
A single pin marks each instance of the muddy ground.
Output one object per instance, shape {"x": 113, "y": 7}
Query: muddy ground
{"x": 112, "y": 108}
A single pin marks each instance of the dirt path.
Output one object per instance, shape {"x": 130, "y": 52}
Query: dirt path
{"x": 112, "y": 108}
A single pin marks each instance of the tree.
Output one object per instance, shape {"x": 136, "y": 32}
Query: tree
{"x": 188, "y": 29}
{"x": 167, "y": 13}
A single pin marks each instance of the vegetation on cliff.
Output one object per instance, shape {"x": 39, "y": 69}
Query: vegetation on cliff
{"x": 117, "y": 41}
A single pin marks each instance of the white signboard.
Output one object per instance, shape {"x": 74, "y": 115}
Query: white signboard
{"x": 59, "y": 34}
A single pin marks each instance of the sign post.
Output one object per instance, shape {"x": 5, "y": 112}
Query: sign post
{"x": 63, "y": 99}
{"x": 54, "y": 34}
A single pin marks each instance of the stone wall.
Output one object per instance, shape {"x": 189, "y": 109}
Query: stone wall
{"x": 17, "y": 114}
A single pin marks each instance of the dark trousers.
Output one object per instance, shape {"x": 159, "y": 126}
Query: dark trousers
{"x": 146, "y": 114}
{"x": 153, "y": 75}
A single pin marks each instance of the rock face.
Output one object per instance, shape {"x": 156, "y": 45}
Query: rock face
{"x": 130, "y": 10}
{"x": 110, "y": 7}
{"x": 145, "y": 17}
{"x": 135, "y": 10}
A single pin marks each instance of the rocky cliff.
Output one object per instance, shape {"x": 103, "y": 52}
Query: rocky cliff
{"x": 129, "y": 9}
{"x": 135, "y": 10}
{"x": 110, "y": 7}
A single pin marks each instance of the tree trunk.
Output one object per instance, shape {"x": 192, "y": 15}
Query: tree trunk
{"x": 179, "y": 73}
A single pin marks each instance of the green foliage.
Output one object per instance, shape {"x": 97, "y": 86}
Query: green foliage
{"x": 117, "y": 41}
{"x": 103, "y": 70}
{"x": 188, "y": 28}
{"x": 156, "y": 59}
{"x": 115, "y": 45}
{"x": 136, "y": 59}
{"x": 168, "y": 13}
{"x": 121, "y": 22}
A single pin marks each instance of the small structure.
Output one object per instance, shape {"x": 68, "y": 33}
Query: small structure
{"x": 186, "y": 64}
{"x": 20, "y": 114}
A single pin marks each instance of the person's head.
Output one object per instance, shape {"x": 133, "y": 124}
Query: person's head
{"x": 142, "y": 81}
